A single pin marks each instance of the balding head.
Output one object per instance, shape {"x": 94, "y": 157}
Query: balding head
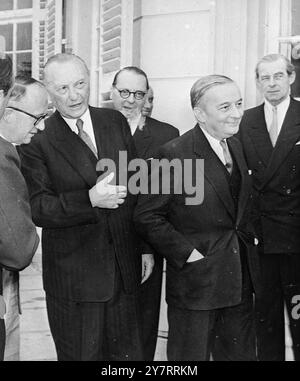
{"x": 66, "y": 77}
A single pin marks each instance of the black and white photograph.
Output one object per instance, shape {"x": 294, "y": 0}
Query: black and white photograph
{"x": 149, "y": 183}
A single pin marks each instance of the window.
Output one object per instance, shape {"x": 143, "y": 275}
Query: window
{"x": 18, "y": 44}
{"x": 16, "y": 32}
{"x": 112, "y": 45}
{"x": 8, "y": 5}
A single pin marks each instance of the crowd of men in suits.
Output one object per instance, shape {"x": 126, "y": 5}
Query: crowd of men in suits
{"x": 233, "y": 261}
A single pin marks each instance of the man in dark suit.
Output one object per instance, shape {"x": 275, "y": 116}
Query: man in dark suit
{"x": 148, "y": 134}
{"x": 23, "y": 117}
{"x": 209, "y": 246}
{"x": 91, "y": 253}
{"x": 25, "y": 108}
{"x": 270, "y": 134}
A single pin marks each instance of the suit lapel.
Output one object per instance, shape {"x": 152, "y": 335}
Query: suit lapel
{"x": 213, "y": 170}
{"x": 289, "y": 135}
{"x": 73, "y": 149}
{"x": 260, "y": 137}
{"x": 236, "y": 151}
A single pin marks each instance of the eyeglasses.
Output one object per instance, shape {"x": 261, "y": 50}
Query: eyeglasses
{"x": 37, "y": 118}
{"x": 138, "y": 95}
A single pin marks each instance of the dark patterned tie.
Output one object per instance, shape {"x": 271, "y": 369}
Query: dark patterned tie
{"x": 85, "y": 137}
{"x": 227, "y": 156}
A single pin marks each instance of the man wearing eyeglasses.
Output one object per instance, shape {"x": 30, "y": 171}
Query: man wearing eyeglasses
{"x": 26, "y": 106}
{"x": 92, "y": 257}
{"x": 129, "y": 91}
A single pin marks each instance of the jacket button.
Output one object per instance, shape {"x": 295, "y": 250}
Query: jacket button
{"x": 288, "y": 191}
{"x": 235, "y": 250}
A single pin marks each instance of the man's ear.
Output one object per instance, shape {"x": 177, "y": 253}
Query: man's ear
{"x": 292, "y": 77}
{"x": 199, "y": 114}
{"x": 8, "y": 115}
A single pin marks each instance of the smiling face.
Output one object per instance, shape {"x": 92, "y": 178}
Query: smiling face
{"x": 68, "y": 86}
{"x": 220, "y": 110}
{"x": 274, "y": 81}
{"x": 129, "y": 107}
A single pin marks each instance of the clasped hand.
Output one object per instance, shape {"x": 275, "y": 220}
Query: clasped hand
{"x": 105, "y": 195}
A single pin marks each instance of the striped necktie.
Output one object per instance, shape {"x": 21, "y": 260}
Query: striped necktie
{"x": 85, "y": 137}
{"x": 227, "y": 156}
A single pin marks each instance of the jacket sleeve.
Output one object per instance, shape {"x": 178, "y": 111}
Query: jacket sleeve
{"x": 18, "y": 236}
{"x": 152, "y": 223}
{"x": 51, "y": 209}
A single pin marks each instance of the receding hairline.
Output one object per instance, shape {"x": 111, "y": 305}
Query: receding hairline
{"x": 204, "y": 84}
{"x": 62, "y": 58}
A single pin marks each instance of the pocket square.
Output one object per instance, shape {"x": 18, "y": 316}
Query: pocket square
{"x": 298, "y": 143}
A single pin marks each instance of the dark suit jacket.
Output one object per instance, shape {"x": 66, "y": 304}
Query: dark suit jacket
{"x": 213, "y": 227}
{"x": 276, "y": 175}
{"x": 81, "y": 245}
{"x": 18, "y": 236}
{"x": 153, "y": 135}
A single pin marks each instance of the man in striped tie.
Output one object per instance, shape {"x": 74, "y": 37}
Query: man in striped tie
{"x": 209, "y": 246}
{"x": 270, "y": 134}
{"x": 91, "y": 255}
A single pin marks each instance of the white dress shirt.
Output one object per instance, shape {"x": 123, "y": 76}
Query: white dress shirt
{"x": 87, "y": 125}
{"x": 215, "y": 145}
{"x": 135, "y": 122}
{"x": 281, "y": 112}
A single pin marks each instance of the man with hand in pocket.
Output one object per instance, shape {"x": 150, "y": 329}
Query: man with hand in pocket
{"x": 212, "y": 265}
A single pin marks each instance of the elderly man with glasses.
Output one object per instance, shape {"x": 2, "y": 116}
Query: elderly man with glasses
{"x": 130, "y": 90}
{"x": 25, "y": 108}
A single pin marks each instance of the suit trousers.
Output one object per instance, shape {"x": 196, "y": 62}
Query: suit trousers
{"x": 226, "y": 334}
{"x": 99, "y": 331}
{"x": 2, "y": 339}
{"x": 12, "y": 317}
{"x": 150, "y": 298}
{"x": 281, "y": 285}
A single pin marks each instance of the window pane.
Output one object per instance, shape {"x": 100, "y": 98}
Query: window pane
{"x": 24, "y": 4}
{"x": 24, "y": 36}
{"x": 6, "y": 5}
{"x": 7, "y": 32}
{"x": 24, "y": 64}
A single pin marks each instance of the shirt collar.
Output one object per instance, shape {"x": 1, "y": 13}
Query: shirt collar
{"x": 86, "y": 118}
{"x": 212, "y": 140}
{"x": 281, "y": 107}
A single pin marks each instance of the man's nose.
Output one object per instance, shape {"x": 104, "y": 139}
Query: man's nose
{"x": 271, "y": 82}
{"x": 73, "y": 94}
{"x": 236, "y": 112}
{"x": 41, "y": 125}
{"x": 131, "y": 98}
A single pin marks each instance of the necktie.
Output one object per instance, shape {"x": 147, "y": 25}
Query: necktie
{"x": 227, "y": 156}
{"x": 85, "y": 137}
{"x": 273, "y": 132}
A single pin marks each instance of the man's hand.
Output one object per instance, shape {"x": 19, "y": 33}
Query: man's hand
{"x": 195, "y": 256}
{"x": 104, "y": 195}
{"x": 147, "y": 266}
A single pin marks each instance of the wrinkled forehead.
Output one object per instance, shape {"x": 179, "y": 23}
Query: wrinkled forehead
{"x": 35, "y": 100}
{"x": 66, "y": 71}
{"x": 131, "y": 81}
{"x": 228, "y": 92}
